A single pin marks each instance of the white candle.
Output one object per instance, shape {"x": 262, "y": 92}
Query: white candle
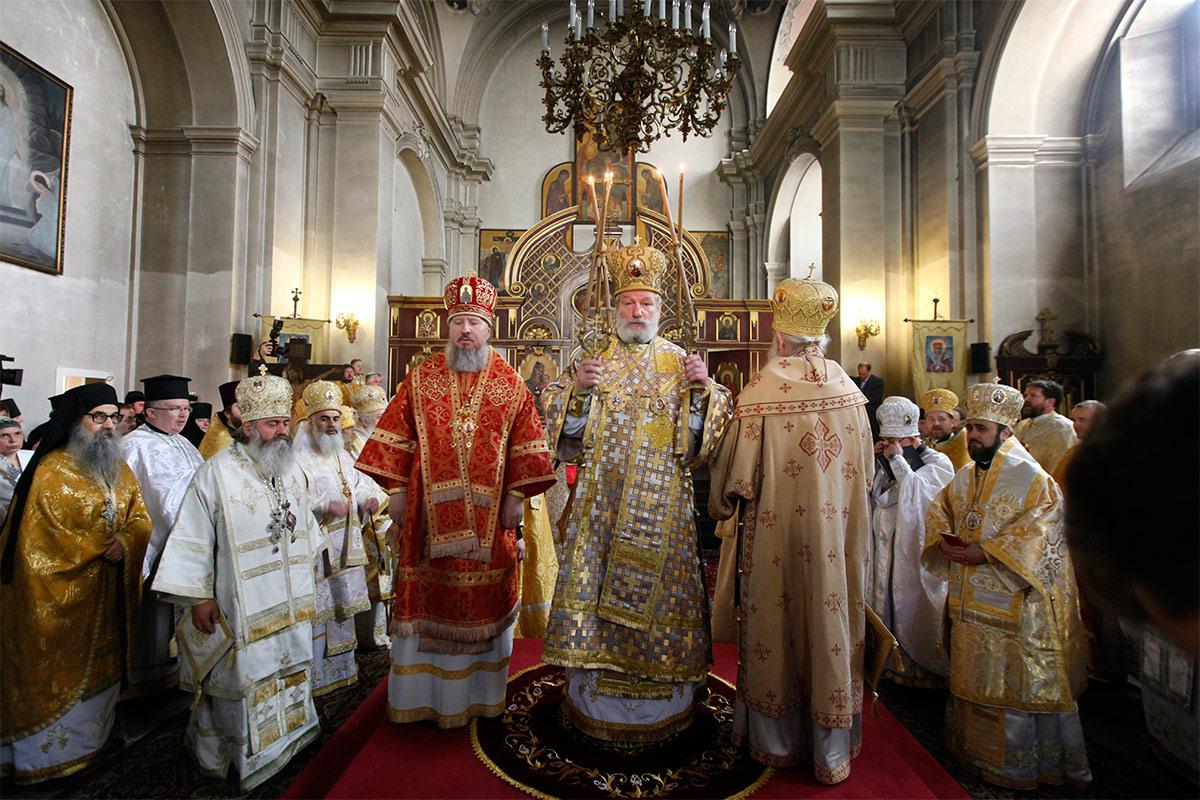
{"x": 578, "y": 27}
{"x": 612, "y": 11}
{"x": 545, "y": 37}
{"x": 687, "y": 16}
{"x": 732, "y": 38}
{"x": 645, "y": 8}
{"x": 571, "y": 17}
{"x": 674, "y": 15}
{"x": 662, "y": 10}
{"x": 704, "y": 21}
{"x": 620, "y": 8}
{"x": 592, "y": 14}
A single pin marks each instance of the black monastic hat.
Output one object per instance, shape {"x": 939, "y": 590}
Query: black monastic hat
{"x": 228, "y": 394}
{"x": 165, "y": 387}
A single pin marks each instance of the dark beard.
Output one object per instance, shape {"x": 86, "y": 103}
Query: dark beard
{"x": 983, "y": 455}
{"x": 97, "y": 453}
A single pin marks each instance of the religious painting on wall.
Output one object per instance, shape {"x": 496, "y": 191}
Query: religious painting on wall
{"x": 715, "y": 245}
{"x": 728, "y": 375}
{"x": 649, "y": 189}
{"x": 728, "y": 328}
{"x": 939, "y": 355}
{"x": 35, "y": 135}
{"x": 537, "y": 370}
{"x": 558, "y": 188}
{"x": 494, "y": 247}
{"x": 591, "y": 160}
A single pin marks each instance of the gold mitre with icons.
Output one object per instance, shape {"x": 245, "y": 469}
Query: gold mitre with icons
{"x": 994, "y": 402}
{"x": 368, "y": 399}
{"x": 803, "y": 307}
{"x": 262, "y": 396}
{"x": 322, "y": 396}
{"x": 348, "y": 420}
{"x": 636, "y": 268}
{"x": 939, "y": 400}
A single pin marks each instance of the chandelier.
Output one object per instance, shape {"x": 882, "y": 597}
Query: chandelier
{"x": 639, "y": 76}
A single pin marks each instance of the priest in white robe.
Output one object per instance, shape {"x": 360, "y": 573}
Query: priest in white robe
{"x": 163, "y": 462}
{"x": 240, "y": 560}
{"x": 341, "y": 497}
{"x": 906, "y": 597}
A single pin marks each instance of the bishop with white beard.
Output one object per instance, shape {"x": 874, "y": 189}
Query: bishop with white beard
{"x": 342, "y": 498}
{"x": 241, "y": 559}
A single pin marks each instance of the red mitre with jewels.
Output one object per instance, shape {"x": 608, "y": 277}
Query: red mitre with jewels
{"x": 470, "y": 294}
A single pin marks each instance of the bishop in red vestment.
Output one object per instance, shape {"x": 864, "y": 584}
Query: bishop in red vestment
{"x": 459, "y": 449}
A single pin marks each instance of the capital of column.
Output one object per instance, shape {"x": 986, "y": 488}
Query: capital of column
{"x": 776, "y": 271}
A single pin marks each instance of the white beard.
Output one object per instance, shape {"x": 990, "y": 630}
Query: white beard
{"x": 627, "y": 335}
{"x": 328, "y": 444}
{"x": 96, "y": 453}
{"x": 463, "y": 360}
{"x": 275, "y": 457}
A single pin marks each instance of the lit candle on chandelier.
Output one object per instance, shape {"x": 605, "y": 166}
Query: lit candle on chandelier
{"x": 612, "y": 11}
{"x": 545, "y": 38}
{"x": 674, "y": 15}
{"x": 687, "y": 16}
{"x": 680, "y": 216}
{"x": 592, "y": 14}
{"x": 704, "y": 21}
{"x": 732, "y": 38}
{"x": 571, "y": 17}
{"x": 662, "y": 10}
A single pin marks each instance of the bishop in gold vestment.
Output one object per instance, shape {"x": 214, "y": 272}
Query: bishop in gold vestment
{"x": 1016, "y": 643}
{"x": 72, "y": 583}
{"x": 798, "y": 456}
{"x": 939, "y": 405}
{"x": 628, "y": 617}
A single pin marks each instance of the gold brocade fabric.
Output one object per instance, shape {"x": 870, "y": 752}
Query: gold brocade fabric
{"x": 798, "y": 457}
{"x": 538, "y": 571}
{"x": 69, "y": 618}
{"x": 629, "y": 596}
{"x": 1047, "y": 438}
{"x": 216, "y": 438}
{"x": 1015, "y": 634}
{"x": 955, "y": 449}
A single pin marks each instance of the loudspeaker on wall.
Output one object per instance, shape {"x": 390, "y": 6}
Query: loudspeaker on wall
{"x": 981, "y": 358}
{"x": 239, "y": 348}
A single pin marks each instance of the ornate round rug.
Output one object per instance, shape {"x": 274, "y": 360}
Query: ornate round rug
{"x": 533, "y": 748}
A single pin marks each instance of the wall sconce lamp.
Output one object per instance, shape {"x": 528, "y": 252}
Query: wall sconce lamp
{"x": 349, "y": 323}
{"x": 866, "y": 328}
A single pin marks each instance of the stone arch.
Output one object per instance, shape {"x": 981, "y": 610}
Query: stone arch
{"x": 413, "y": 150}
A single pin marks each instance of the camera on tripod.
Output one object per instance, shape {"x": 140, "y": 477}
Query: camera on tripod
{"x": 10, "y": 377}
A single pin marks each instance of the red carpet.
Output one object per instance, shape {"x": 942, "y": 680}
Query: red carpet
{"x": 370, "y": 757}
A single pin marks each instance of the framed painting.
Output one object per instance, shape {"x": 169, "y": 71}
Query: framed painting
{"x": 939, "y": 355}
{"x": 558, "y": 188}
{"x": 649, "y": 190}
{"x": 715, "y": 245}
{"x": 729, "y": 328}
{"x": 35, "y": 137}
{"x": 591, "y": 160}
{"x": 494, "y": 246}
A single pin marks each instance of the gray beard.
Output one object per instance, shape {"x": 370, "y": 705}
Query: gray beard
{"x": 97, "y": 453}
{"x": 461, "y": 360}
{"x": 629, "y": 336}
{"x": 274, "y": 458}
{"x": 328, "y": 444}
{"x": 367, "y": 422}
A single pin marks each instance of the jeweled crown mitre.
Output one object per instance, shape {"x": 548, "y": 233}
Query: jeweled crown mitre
{"x": 898, "y": 417}
{"x": 322, "y": 396}
{"x": 636, "y": 268}
{"x": 262, "y": 396}
{"x": 470, "y": 294}
{"x": 994, "y": 402}
{"x": 939, "y": 400}
{"x": 368, "y": 399}
{"x": 803, "y": 307}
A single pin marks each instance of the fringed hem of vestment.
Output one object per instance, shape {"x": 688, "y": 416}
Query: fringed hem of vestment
{"x": 403, "y": 716}
{"x": 628, "y": 732}
{"x": 436, "y": 637}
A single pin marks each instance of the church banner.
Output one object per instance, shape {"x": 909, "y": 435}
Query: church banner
{"x": 939, "y": 355}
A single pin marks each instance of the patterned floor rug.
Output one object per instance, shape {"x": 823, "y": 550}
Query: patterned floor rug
{"x": 532, "y": 747}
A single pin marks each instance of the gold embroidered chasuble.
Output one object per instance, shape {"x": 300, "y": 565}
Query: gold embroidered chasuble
{"x": 69, "y": 619}
{"x": 629, "y": 595}
{"x": 798, "y": 455}
{"x": 1047, "y": 438}
{"x": 1015, "y": 637}
{"x": 216, "y": 438}
{"x": 954, "y": 448}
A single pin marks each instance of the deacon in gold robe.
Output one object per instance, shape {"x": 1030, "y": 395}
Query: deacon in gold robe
{"x": 1045, "y": 433}
{"x": 939, "y": 406}
{"x": 73, "y": 547}
{"x": 240, "y": 562}
{"x": 1016, "y": 642}
{"x": 459, "y": 449}
{"x": 226, "y": 424}
{"x": 798, "y": 457}
{"x": 371, "y": 626}
{"x": 629, "y": 613}
{"x": 341, "y": 498}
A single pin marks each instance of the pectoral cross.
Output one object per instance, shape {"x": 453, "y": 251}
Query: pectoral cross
{"x": 296, "y": 302}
